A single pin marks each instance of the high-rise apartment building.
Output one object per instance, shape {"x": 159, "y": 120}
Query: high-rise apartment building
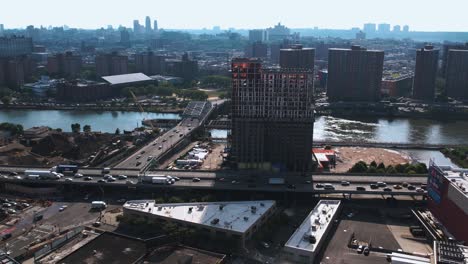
{"x": 2, "y": 29}
{"x": 297, "y": 57}
{"x": 136, "y": 26}
{"x": 14, "y": 71}
{"x": 111, "y": 64}
{"x": 258, "y": 35}
{"x": 396, "y": 29}
{"x": 278, "y": 32}
{"x": 354, "y": 74}
{"x": 256, "y": 50}
{"x": 405, "y": 28}
{"x": 446, "y": 48}
{"x": 427, "y": 59}
{"x": 15, "y": 46}
{"x": 155, "y": 26}
{"x": 67, "y": 65}
{"x": 369, "y": 28}
{"x": 272, "y": 117}
{"x": 457, "y": 74}
{"x": 149, "y": 63}
{"x": 384, "y": 28}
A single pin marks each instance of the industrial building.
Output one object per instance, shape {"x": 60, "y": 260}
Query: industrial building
{"x": 425, "y": 74}
{"x": 272, "y": 117}
{"x": 354, "y": 74}
{"x": 305, "y": 242}
{"x": 131, "y": 79}
{"x": 236, "y": 220}
{"x": 448, "y": 199}
{"x": 457, "y": 74}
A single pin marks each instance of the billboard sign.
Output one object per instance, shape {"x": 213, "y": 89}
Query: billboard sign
{"x": 435, "y": 183}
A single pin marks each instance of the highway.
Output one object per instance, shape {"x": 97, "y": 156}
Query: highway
{"x": 163, "y": 143}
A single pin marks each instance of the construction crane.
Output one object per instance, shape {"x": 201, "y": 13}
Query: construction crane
{"x": 141, "y": 109}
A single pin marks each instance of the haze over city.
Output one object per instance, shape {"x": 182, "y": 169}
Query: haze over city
{"x": 431, "y": 15}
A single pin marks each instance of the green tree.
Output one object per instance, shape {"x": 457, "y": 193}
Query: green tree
{"x": 391, "y": 170}
{"x": 87, "y": 128}
{"x": 373, "y": 164}
{"x": 6, "y": 100}
{"x": 14, "y": 129}
{"x": 76, "y": 128}
{"x": 381, "y": 166}
{"x": 359, "y": 167}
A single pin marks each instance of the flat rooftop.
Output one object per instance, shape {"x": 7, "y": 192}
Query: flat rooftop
{"x": 458, "y": 177}
{"x": 182, "y": 254}
{"x": 126, "y": 78}
{"x": 108, "y": 248}
{"x": 235, "y": 216}
{"x": 315, "y": 224}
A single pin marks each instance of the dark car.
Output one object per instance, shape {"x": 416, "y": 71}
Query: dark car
{"x": 6, "y": 236}
{"x": 387, "y": 190}
{"x": 318, "y": 185}
{"x": 374, "y": 186}
{"x": 88, "y": 178}
{"x": 411, "y": 187}
{"x": 101, "y": 181}
{"x": 360, "y": 188}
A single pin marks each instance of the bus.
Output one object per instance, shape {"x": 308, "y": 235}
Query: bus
{"x": 67, "y": 169}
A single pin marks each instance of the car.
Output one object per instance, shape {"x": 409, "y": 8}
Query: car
{"x": 18, "y": 178}
{"x": 111, "y": 179}
{"x": 405, "y": 184}
{"x": 13, "y": 173}
{"x": 171, "y": 135}
{"x": 97, "y": 224}
{"x": 411, "y": 187}
{"x": 160, "y": 147}
{"x": 374, "y": 186}
{"x": 105, "y": 171}
{"x": 142, "y": 152}
{"x": 6, "y": 236}
{"x": 328, "y": 186}
{"x": 63, "y": 207}
{"x": 189, "y": 128}
{"x": 88, "y": 178}
{"x": 196, "y": 179}
{"x": 265, "y": 245}
{"x": 345, "y": 183}
{"x": 101, "y": 181}
{"x": 308, "y": 182}
{"x": 366, "y": 251}
{"x": 419, "y": 190}
{"x": 234, "y": 182}
{"x": 164, "y": 140}
{"x": 129, "y": 182}
{"x": 138, "y": 163}
{"x": 149, "y": 158}
{"x": 11, "y": 211}
{"x": 360, "y": 188}
{"x": 78, "y": 175}
{"x": 424, "y": 186}
{"x": 387, "y": 190}
{"x": 25, "y": 205}
{"x": 381, "y": 184}
{"x": 360, "y": 249}
{"x": 222, "y": 179}
{"x": 138, "y": 156}
{"x": 6, "y": 205}
{"x": 68, "y": 179}
{"x": 121, "y": 200}
{"x": 155, "y": 143}
{"x": 176, "y": 178}
{"x": 397, "y": 187}
{"x": 107, "y": 176}
{"x": 122, "y": 177}
{"x": 318, "y": 185}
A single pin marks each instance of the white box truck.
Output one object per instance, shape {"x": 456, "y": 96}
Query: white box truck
{"x": 148, "y": 178}
{"x": 32, "y": 177}
{"x": 43, "y": 174}
{"x": 98, "y": 205}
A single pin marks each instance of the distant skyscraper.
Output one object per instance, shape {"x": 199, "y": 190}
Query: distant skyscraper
{"x": 279, "y": 32}
{"x": 405, "y": 28}
{"x": 354, "y": 74}
{"x": 2, "y": 29}
{"x": 396, "y": 29}
{"x": 425, "y": 74}
{"x": 125, "y": 37}
{"x": 136, "y": 26}
{"x": 384, "y": 28}
{"x": 369, "y": 28}
{"x": 457, "y": 74}
{"x": 258, "y": 35}
{"x": 272, "y": 117}
{"x": 148, "y": 24}
{"x": 297, "y": 57}
{"x": 155, "y": 26}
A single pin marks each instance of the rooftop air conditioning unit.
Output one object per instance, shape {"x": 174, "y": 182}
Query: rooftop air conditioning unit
{"x": 215, "y": 221}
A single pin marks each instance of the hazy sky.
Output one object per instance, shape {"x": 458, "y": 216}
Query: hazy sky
{"x": 429, "y": 15}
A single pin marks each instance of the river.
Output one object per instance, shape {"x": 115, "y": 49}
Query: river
{"x": 105, "y": 121}
{"x": 402, "y": 130}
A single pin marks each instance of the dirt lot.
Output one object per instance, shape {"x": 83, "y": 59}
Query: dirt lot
{"x": 348, "y": 156}
{"x": 214, "y": 159}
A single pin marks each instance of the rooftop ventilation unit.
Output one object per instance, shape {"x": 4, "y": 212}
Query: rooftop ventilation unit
{"x": 246, "y": 218}
{"x": 215, "y": 221}
{"x": 221, "y": 207}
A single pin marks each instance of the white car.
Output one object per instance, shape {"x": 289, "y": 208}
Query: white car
{"x": 122, "y": 177}
{"x": 68, "y": 179}
{"x": 78, "y": 175}
{"x": 63, "y": 207}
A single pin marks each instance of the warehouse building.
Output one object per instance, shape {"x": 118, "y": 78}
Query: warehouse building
{"x": 305, "y": 242}
{"x": 236, "y": 220}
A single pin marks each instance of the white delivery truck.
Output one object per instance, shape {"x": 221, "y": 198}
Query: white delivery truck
{"x": 148, "y": 178}
{"x": 43, "y": 174}
{"x": 98, "y": 205}
{"x": 32, "y": 177}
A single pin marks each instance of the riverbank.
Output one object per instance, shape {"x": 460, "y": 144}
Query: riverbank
{"x": 459, "y": 156}
{"x": 151, "y": 109}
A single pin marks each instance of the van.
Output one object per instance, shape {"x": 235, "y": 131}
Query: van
{"x": 105, "y": 171}
{"x": 98, "y": 205}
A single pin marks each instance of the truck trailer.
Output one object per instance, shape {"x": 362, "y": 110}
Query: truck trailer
{"x": 43, "y": 174}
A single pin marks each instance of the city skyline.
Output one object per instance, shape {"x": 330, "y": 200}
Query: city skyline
{"x": 209, "y": 13}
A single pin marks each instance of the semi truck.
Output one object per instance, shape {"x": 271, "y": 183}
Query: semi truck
{"x": 43, "y": 174}
{"x": 160, "y": 180}
{"x": 67, "y": 169}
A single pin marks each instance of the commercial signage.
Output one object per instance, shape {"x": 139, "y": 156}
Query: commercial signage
{"x": 435, "y": 183}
